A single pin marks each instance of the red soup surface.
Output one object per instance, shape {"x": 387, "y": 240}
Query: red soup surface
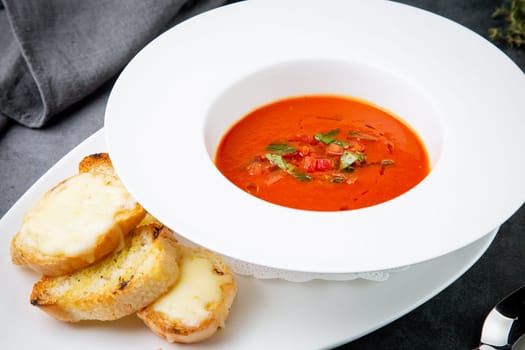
{"x": 322, "y": 153}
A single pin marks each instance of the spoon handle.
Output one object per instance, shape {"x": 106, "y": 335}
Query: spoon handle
{"x": 488, "y": 347}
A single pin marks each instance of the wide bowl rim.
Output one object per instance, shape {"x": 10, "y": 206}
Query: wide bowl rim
{"x": 178, "y": 71}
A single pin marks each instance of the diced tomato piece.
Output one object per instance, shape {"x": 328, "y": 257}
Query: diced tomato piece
{"x": 334, "y": 149}
{"x": 309, "y": 164}
{"x": 255, "y": 168}
{"x": 289, "y": 155}
{"x": 323, "y": 164}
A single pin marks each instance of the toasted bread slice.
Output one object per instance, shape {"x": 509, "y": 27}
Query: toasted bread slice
{"x": 121, "y": 284}
{"x": 198, "y": 304}
{"x": 74, "y": 224}
{"x": 77, "y": 222}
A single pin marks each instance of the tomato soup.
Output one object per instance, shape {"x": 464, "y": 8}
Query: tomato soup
{"x": 322, "y": 153}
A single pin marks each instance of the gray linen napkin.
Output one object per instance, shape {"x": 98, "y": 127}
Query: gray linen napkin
{"x": 54, "y": 53}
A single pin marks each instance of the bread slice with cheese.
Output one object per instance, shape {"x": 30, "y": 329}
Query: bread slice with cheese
{"x": 198, "y": 304}
{"x": 77, "y": 222}
{"x": 121, "y": 284}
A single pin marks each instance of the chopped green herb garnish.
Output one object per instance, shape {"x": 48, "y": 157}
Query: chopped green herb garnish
{"x": 301, "y": 176}
{"x": 348, "y": 158}
{"x": 386, "y": 162}
{"x": 278, "y": 161}
{"x": 328, "y": 137}
{"x": 360, "y": 156}
{"x": 337, "y": 179}
{"x": 280, "y": 148}
{"x": 342, "y": 143}
{"x": 362, "y": 136}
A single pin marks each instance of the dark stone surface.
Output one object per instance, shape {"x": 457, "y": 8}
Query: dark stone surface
{"x": 451, "y": 320}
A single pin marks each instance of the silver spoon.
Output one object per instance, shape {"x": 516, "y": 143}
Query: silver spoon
{"x": 505, "y": 323}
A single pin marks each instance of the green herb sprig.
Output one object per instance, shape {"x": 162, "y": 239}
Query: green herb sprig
{"x": 360, "y": 135}
{"x": 348, "y": 158}
{"x": 328, "y": 137}
{"x": 280, "y": 148}
{"x": 514, "y": 16}
{"x": 277, "y": 160}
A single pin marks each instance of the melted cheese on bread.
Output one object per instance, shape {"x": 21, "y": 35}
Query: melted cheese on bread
{"x": 85, "y": 206}
{"x": 197, "y": 287}
{"x": 199, "y": 302}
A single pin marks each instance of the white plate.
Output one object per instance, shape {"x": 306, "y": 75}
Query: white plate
{"x": 318, "y": 314}
{"x": 463, "y": 96}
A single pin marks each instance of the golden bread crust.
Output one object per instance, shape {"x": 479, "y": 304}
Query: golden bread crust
{"x": 97, "y": 162}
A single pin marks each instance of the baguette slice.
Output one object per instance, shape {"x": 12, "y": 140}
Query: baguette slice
{"x": 198, "y": 304}
{"x": 119, "y": 285}
{"x": 77, "y": 222}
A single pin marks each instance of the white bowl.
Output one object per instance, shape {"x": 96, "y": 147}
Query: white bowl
{"x": 177, "y": 97}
